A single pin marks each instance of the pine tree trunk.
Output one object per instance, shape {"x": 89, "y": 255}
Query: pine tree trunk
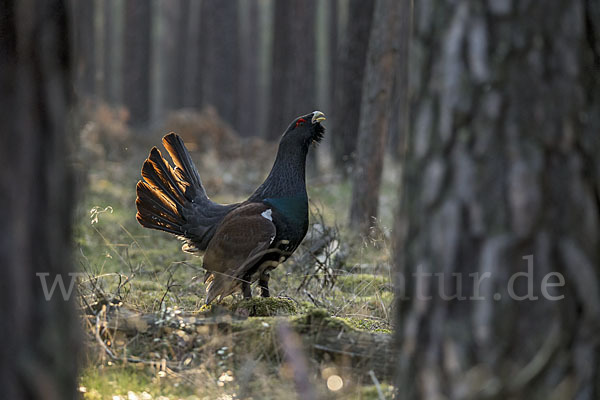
{"x": 84, "y": 40}
{"x": 293, "y": 87}
{"x": 221, "y": 58}
{"x": 110, "y": 38}
{"x": 279, "y": 69}
{"x": 136, "y": 61}
{"x": 249, "y": 70}
{"x": 113, "y": 50}
{"x": 39, "y": 337}
{"x": 170, "y": 47}
{"x": 502, "y": 173}
{"x": 332, "y": 37}
{"x": 194, "y": 65}
{"x": 177, "y": 80}
{"x": 374, "y": 115}
{"x": 399, "y": 114}
{"x": 349, "y": 76}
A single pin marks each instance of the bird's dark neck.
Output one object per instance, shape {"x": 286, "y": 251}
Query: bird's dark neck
{"x": 287, "y": 177}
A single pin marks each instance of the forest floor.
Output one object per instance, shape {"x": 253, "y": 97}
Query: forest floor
{"x": 148, "y": 332}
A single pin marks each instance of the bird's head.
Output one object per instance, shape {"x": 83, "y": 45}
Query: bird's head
{"x": 305, "y": 130}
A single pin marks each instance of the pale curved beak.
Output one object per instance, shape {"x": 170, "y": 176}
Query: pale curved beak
{"x": 318, "y": 116}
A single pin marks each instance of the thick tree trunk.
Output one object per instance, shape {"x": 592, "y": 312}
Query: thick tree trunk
{"x": 348, "y": 84}
{"x": 39, "y": 337}
{"x": 502, "y": 175}
{"x": 221, "y": 58}
{"x": 293, "y": 90}
{"x": 374, "y": 115}
{"x": 136, "y": 61}
{"x": 249, "y": 73}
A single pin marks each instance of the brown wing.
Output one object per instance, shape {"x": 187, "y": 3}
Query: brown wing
{"x": 239, "y": 242}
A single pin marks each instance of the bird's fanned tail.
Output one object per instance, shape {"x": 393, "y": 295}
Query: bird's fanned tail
{"x": 160, "y": 197}
{"x": 174, "y": 200}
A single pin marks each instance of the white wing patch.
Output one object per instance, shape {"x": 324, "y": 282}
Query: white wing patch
{"x": 267, "y": 214}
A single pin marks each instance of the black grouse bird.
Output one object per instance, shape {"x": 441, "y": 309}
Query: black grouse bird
{"x": 243, "y": 241}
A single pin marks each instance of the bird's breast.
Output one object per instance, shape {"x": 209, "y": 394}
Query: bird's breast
{"x": 290, "y": 216}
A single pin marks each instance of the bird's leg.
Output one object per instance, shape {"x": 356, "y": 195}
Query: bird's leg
{"x": 246, "y": 290}
{"x": 263, "y": 283}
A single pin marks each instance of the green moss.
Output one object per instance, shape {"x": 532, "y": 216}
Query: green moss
{"x": 316, "y": 319}
{"x": 366, "y": 324}
{"x": 265, "y": 307}
{"x": 363, "y": 284}
{"x": 257, "y": 337}
{"x": 306, "y": 306}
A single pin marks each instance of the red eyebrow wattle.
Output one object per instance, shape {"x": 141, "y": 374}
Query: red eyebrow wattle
{"x": 300, "y": 121}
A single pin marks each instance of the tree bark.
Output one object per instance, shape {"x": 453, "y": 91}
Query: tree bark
{"x": 293, "y": 69}
{"x": 400, "y": 102}
{"x": 221, "y": 58}
{"x": 84, "y": 41}
{"x": 348, "y": 85}
{"x": 502, "y": 172}
{"x": 249, "y": 71}
{"x": 192, "y": 92}
{"x": 279, "y": 69}
{"x": 181, "y": 30}
{"x": 136, "y": 61}
{"x": 171, "y": 47}
{"x": 113, "y": 11}
{"x": 39, "y": 337}
{"x": 110, "y": 39}
{"x": 374, "y": 115}
{"x": 332, "y": 37}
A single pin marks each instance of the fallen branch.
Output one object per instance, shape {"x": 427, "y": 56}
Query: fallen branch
{"x": 324, "y": 337}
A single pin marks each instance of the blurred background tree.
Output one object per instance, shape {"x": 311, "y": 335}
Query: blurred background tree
{"x": 348, "y": 82}
{"x": 136, "y": 60}
{"x": 375, "y": 113}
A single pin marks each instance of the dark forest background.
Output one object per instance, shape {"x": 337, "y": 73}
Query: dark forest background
{"x": 259, "y": 64}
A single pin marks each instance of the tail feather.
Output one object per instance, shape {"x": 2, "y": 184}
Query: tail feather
{"x": 185, "y": 168}
{"x": 161, "y": 179}
{"x": 173, "y": 199}
{"x": 165, "y": 172}
{"x": 148, "y": 201}
{"x": 156, "y": 211}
